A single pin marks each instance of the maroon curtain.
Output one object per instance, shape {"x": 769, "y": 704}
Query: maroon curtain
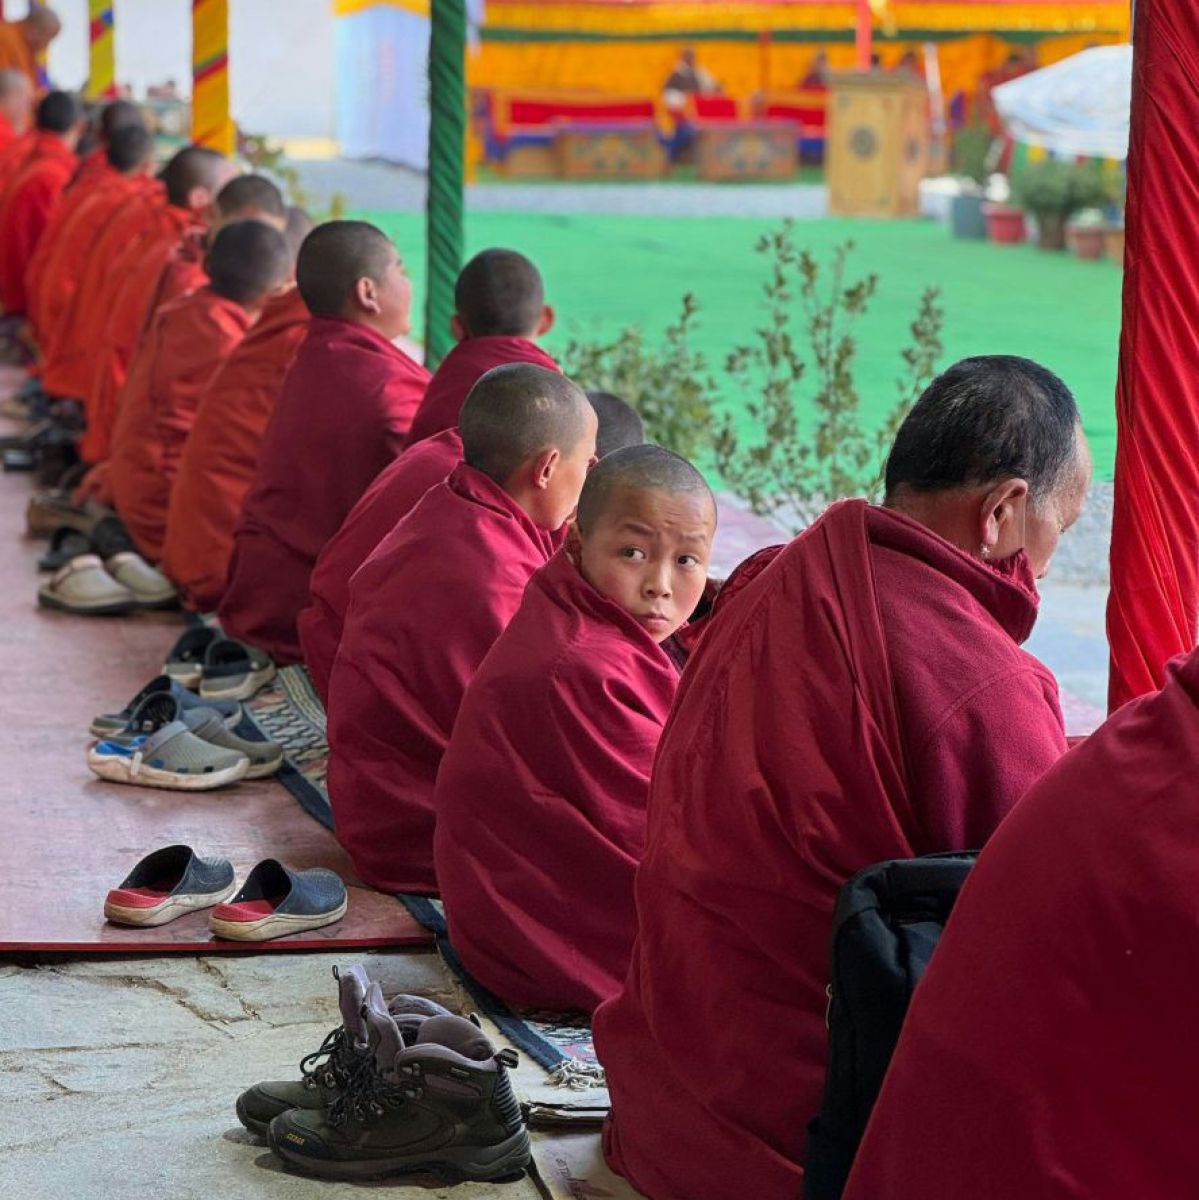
{"x": 1153, "y": 610}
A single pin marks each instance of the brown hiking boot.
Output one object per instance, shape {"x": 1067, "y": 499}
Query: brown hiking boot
{"x": 441, "y": 1103}
{"x": 327, "y": 1070}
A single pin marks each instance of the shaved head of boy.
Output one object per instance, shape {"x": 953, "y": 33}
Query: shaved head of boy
{"x": 248, "y": 198}
{"x": 620, "y": 424}
{"x": 130, "y": 150}
{"x": 350, "y": 269}
{"x": 194, "y": 176}
{"x": 247, "y": 261}
{"x": 499, "y": 293}
{"x": 643, "y": 535}
{"x": 533, "y": 432}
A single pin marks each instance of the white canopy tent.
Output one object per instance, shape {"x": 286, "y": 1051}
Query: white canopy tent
{"x": 1077, "y": 107}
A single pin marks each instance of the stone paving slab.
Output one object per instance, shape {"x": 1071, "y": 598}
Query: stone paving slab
{"x": 118, "y": 1077}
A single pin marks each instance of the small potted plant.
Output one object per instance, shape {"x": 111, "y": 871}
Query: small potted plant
{"x": 1054, "y": 191}
{"x": 971, "y": 148}
{"x": 1085, "y": 234}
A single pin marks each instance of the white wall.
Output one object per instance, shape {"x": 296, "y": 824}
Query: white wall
{"x": 280, "y": 54}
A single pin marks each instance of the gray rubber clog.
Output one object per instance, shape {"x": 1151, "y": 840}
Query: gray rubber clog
{"x": 83, "y": 586}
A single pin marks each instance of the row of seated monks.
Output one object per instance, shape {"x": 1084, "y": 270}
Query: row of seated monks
{"x": 630, "y": 808}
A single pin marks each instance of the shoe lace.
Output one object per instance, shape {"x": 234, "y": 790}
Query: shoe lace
{"x": 331, "y": 1064}
{"x": 366, "y": 1095}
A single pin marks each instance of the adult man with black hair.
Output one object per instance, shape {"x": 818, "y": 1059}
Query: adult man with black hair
{"x": 863, "y": 698}
{"x": 34, "y": 194}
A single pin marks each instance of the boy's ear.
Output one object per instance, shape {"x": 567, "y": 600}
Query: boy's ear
{"x": 544, "y": 466}
{"x": 364, "y": 294}
{"x": 458, "y": 329}
{"x": 547, "y": 321}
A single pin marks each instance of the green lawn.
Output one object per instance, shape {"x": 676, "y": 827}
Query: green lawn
{"x": 603, "y": 273}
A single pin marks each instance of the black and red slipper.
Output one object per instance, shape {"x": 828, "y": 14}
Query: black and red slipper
{"x": 275, "y": 901}
{"x": 167, "y": 884}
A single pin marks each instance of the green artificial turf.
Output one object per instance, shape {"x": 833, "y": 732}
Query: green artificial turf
{"x": 606, "y": 272}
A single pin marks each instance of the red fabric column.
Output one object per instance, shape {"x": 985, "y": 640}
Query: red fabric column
{"x": 1153, "y": 610}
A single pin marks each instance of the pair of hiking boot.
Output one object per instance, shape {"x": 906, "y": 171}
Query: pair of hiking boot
{"x": 399, "y": 1088}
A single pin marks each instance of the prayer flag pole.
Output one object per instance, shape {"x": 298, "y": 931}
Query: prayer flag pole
{"x": 101, "y": 79}
{"x": 447, "y": 140}
{"x": 211, "y": 123}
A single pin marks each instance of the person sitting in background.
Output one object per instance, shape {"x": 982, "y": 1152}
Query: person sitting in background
{"x": 818, "y": 72}
{"x": 221, "y": 456}
{"x": 23, "y": 41}
{"x": 343, "y": 415}
{"x": 864, "y": 697}
{"x": 429, "y": 603}
{"x": 1050, "y": 1049}
{"x": 31, "y": 198}
{"x": 191, "y": 338}
{"x": 541, "y": 795}
{"x": 500, "y": 309}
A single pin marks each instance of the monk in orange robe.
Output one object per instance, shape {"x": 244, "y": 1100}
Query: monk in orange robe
{"x": 87, "y": 207}
{"x": 16, "y": 106}
{"x": 93, "y": 160}
{"x": 190, "y": 339}
{"x": 22, "y": 41}
{"x": 33, "y": 196}
{"x": 221, "y": 455}
{"x": 149, "y": 281}
{"x": 146, "y": 230}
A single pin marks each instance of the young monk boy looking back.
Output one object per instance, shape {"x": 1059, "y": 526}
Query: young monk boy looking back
{"x": 501, "y": 307}
{"x": 431, "y": 600}
{"x": 343, "y": 415}
{"x": 541, "y": 795}
{"x": 189, "y": 341}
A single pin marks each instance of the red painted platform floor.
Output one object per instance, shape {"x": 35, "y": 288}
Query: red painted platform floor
{"x": 67, "y": 837}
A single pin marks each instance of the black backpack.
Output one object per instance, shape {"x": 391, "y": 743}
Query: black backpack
{"x": 886, "y": 926}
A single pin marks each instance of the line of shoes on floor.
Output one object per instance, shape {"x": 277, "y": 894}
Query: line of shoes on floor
{"x": 169, "y": 737}
{"x": 275, "y": 900}
{"x": 97, "y": 570}
{"x": 398, "y": 1088}
{"x": 47, "y": 444}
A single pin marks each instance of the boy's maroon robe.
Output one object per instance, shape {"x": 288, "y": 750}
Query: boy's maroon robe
{"x": 460, "y": 371}
{"x": 395, "y": 492}
{"x": 864, "y": 698}
{"x": 424, "y": 610}
{"x": 342, "y": 416}
{"x": 1051, "y": 1049}
{"x": 541, "y": 796}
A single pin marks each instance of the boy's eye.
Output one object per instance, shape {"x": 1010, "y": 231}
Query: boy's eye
{"x": 632, "y": 552}
{"x": 688, "y": 560}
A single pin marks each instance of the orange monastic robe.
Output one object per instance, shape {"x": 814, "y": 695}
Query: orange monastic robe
{"x": 221, "y": 457}
{"x": 69, "y": 258}
{"x": 188, "y": 342}
{"x": 15, "y": 54}
{"x": 67, "y": 371}
{"x": 26, "y": 210}
{"x": 139, "y": 282}
{"x": 82, "y": 188}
